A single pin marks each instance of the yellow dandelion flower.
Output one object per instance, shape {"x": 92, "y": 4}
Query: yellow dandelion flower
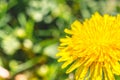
{"x": 92, "y": 48}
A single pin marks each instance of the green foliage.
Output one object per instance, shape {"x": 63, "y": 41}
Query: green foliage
{"x": 30, "y": 32}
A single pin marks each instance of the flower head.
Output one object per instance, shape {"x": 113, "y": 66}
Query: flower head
{"x": 92, "y": 48}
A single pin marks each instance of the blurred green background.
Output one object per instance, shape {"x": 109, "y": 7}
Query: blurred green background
{"x": 30, "y": 32}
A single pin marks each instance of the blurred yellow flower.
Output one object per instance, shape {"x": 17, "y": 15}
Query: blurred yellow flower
{"x": 92, "y": 48}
